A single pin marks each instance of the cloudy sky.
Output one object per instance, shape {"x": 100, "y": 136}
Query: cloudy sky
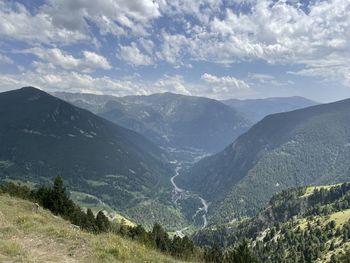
{"x": 215, "y": 48}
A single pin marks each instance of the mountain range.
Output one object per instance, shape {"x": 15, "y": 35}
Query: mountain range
{"x": 42, "y": 136}
{"x": 169, "y": 120}
{"x": 308, "y": 146}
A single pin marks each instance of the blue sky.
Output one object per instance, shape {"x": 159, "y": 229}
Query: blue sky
{"x": 216, "y": 48}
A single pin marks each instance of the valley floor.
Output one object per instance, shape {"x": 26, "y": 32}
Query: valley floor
{"x": 27, "y": 236}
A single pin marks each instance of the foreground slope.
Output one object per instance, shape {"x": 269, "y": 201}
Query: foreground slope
{"x": 42, "y": 237}
{"x": 256, "y": 109}
{"x": 168, "y": 119}
{"x": 302, "y": 147}
{"x": 42, "y": 137}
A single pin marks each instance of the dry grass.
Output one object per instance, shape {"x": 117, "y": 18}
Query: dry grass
{"x": 26, "y": 236}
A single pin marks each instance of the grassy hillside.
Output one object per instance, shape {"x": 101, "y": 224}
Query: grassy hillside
{"x": 26, "y": 236}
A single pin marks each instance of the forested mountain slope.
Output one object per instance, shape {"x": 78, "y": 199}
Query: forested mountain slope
{"x": 302, "y": 147}
{"x": 307, "y": 224}
{"x": 42, "y": 136}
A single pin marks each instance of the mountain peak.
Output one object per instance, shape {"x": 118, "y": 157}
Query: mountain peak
{"x": 30, "y": 89}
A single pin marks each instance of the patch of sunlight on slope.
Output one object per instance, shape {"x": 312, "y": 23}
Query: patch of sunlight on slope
{"x": 311, "y": 189}
{"x": 41, "y": 237}
{"x": 98, "y": 205}
{"x": 339, "y": 217}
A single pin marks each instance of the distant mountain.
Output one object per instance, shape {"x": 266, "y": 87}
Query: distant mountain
{"x": 302, "y": 147}
{"x": 42, "y": 136}
{"x": 256, "y": 109}
{"x": 169, "y": 120}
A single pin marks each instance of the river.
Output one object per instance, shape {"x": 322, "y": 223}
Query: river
{"x": 179, "y": 193}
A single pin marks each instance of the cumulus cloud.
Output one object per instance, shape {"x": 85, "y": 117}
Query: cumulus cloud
{"x": 16, "y": 22}
{"x": 278, "y": 32}
{"x": 132, "y": 55}
{"x": 51, "y": 79}
{"x": 54, "y": 56}
{"x": 111, "y": 16}
{"x": 312, "y": 35}
{"x": 69, "y": 81}
{"x": 66, "y": 21}
{"x": 95, "y": 60}
{"x": 227, "y": 82}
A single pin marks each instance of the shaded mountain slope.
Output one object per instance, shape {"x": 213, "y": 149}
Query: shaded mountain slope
{"x": 42, "y": 137}
{"x": 302, "y": 147}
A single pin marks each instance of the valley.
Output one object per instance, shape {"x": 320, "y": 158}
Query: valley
{"x": 187, "y": 157}
{"x": 214, "y": 197}
{"x": 175, "y": 131}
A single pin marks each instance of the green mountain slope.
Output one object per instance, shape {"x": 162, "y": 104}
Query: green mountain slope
{"x": 307, "y": 224}
{"x": 302, "y": 147}
{"x": 42, "y": 137}
{"x": 256, "y": 109}
{"x": 170, "y": 120}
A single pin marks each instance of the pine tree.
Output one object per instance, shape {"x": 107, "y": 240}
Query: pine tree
{"x": 213, "y": 254}
{"x": 160, "y": 238}
{"x": 241, "y": 254}
{"x": 102, "y": 222}
{"x": 91, "y": 221}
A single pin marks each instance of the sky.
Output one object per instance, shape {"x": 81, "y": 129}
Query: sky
{"x": 215, "y": 48}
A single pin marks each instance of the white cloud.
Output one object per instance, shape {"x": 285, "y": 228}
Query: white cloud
{"x": 66, "y": 21}
{"x": 5, "y": 59}
{"x": 17, "y": 23}
{"x": 54, "y": 56}
{"x": 111, "y": 16}
{"x": 266, "y": 80}
{"x": 53, "y": 80}
{"x": 132, "y": 55}
{"x": 95, "y": 60}
{"x": 174, "y": 48}
{"x": 226, "y": 82}
{"x": 276, "y": 32}
{"x": 49, "y": 78}
{"x": 332, "y": 68}
{"x": 202, "y": 10}
{"x": 175, "y": 84}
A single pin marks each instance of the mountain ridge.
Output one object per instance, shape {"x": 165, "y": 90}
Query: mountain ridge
{"x": 170, "y": 120}
{"x": 271, "y": 156}
{"x": 257, "y": 109}
{"x": 42, "y": 137}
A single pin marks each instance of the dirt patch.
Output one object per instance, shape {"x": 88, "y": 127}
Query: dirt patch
{"x": 44, "y": 249}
